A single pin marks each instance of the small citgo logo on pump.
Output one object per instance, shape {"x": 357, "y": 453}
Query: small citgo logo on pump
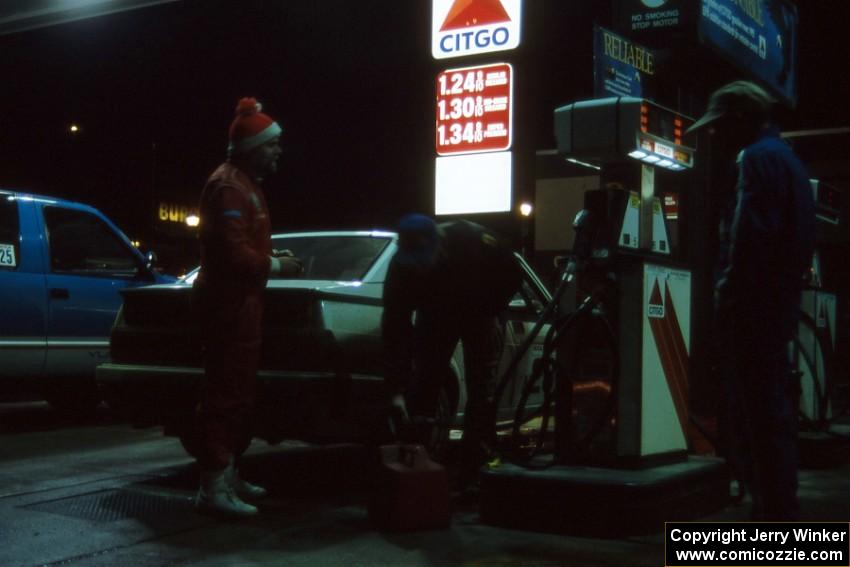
{"x": 471, "y": 27}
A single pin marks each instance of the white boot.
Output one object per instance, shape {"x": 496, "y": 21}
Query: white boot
{"x": 216, "y": 495}
{"x": 245, "y": 488}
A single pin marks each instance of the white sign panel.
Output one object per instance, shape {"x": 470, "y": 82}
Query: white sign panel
{"x": 473, "y": 183}
{"x": 472, "y": 27}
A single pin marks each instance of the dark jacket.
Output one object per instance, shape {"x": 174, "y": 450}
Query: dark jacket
{"x": 769, "y": 241}
{"x": 475, "y": 274}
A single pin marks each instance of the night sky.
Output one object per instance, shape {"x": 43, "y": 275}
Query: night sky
{"x": 351, "y": 82}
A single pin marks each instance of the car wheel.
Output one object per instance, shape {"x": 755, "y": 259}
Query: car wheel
{"x": 438, "y": 441}
{"x": 78, "y": 398}
{"x": 118, "y": 404}
{"x": 189, "y": 439}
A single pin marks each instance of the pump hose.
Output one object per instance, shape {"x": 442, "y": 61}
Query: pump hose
{"x": 544, "y": 368}
{"x": 822, "y": 385}
{"x": 566, "y": 279}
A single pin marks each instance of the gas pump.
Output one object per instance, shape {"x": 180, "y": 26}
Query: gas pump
{"x": 814, "y": 350}
{"x": 640, "y": 208}
{"x": 639, "y": 469}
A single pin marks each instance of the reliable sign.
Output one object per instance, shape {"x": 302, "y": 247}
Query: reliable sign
{"x": 621, "y": 67}
{"x": 472, "y": 27}
{"x": 474, "y": 109}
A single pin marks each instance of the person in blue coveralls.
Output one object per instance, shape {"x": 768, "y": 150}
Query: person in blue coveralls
{"x": 766, "y": 242}
{"x": 457, "y": 277}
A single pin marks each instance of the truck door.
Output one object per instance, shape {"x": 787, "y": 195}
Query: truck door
{"x": 23, "y": 299}
{"x": 88, "y": 264}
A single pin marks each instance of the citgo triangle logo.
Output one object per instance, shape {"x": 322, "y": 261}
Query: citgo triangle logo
{"x": 471, "y": 27}
{"x": 655, "y": 309}
{"x": 465, "y": 13}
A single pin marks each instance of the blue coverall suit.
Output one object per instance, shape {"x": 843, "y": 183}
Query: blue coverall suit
{"x": 767, "y": 242}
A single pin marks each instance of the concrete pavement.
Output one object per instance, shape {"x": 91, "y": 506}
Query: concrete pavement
{"x": 101, "y": 493}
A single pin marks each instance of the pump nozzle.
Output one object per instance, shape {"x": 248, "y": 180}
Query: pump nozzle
{"x": 582, "y": 243}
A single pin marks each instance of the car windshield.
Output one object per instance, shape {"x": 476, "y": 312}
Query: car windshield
{"x": 330, "y": 257}
{"x": 334, "y": 257}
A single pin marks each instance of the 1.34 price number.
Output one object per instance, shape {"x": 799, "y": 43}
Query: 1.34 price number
{"x": 470, "y": 133}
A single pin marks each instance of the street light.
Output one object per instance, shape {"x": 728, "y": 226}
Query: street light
{"x": 525, "y": 209}
{"x": 193, "y": 221}
{"x": 74, "y": 129}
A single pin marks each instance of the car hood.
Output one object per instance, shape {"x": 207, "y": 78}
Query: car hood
{"x": 324, "y": 287}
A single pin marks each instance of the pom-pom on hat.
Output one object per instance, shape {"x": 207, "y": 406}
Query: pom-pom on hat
{"x": 250, "y": 128}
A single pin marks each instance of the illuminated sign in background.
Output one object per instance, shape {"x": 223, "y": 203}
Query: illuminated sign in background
{"x": 472, "y": 27}
{"x": 474, "y": 109}
{"x": 172, "y": 212}
{"x": 473, "y": 172}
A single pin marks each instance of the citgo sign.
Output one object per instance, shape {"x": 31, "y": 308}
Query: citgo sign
{"x": 471, "y": 27}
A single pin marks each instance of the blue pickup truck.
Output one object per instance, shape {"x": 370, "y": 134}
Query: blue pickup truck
{"x": 62, "y": 266}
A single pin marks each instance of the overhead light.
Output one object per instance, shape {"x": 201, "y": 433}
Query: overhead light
{"x": 525, "y": 209}
{"x": 651, "y": 159}
{"x": 638, "y": 154}
{"x": 665, "y": 163}
{"x": 193, "y": 220}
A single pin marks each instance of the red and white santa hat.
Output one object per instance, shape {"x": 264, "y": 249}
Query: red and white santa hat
{"x": 250, "y": 128}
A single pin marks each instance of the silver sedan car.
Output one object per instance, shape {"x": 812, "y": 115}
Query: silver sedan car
{"x": 320, "y": 375}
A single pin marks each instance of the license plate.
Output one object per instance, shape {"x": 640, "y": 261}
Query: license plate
{"x": 7, "y": 255}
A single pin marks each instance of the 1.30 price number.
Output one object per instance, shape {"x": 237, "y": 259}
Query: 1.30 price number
{"x": 466, "y": 107}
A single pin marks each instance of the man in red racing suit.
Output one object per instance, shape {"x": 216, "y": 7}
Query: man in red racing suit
{"x": 236, "y": 262}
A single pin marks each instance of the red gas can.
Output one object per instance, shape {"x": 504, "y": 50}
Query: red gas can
{"x": 411, "y": 491}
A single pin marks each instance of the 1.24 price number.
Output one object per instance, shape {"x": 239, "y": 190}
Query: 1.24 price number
{"x": 459, "y": 83}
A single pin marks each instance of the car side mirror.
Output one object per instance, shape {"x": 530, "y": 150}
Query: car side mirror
{"x": 150, "y": 261}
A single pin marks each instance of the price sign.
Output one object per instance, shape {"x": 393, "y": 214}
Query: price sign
{"x": 474, "y": 109}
